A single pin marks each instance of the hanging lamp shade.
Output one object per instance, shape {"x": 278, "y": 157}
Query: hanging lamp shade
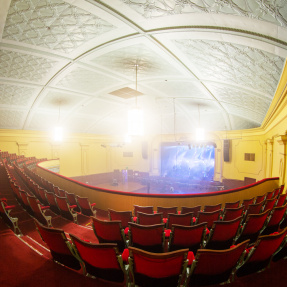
{"x": 135, "y": 119}
{"x": 58, "y": 134}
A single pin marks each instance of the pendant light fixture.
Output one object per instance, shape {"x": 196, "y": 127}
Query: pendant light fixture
{"x": 135, "y": 116}
{"x": 58, "y": 130}
{"x": 200, "y": 134}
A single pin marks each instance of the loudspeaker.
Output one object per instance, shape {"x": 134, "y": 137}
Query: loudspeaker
{"x": 226, "y": 147}
{"x": 144, "y": 150}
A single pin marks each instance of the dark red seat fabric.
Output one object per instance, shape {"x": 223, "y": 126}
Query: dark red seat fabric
{"x": 232, "y": 213}
{"x": 222, "y": 234}
{"x": 65, "y": 209}
{"x": 179, "y": 219}
{"x": 52, "y": 202}
{"x": 71, "y": 197}
{"x": 215, "y": 266}
{"x": 247, "y": 202}
{"x": 191, "y": 237}
{"x": 208, "y": 217}
{"x": 232, "y": 204}
{"x": 157, "y": 269}
{"x": 124, "y": 216}
{"x": 100, "y": 260}
{"x": 147, "y": 237}
{"x": 86, "y": 207}
{"x": 276, "y": 220}
{"x": 211, "y": 208}
{"x": 262, "y": 252}
{"x": 252, "y": 227}
{"x": 110, "y": 232}
{"x": 254, "y": 208}
{"x": 282, "y": 199}
{"x": 269, "y": 204}
{"x": 57, "y": 242}
{"x": 143, "y": 209}
{"x": 5, "y": 213}
{"x": 165, "y": 211}
{"x": 149, "y": 219}
{"x": 39, "y": 211}
{"x": 260, "y": 198}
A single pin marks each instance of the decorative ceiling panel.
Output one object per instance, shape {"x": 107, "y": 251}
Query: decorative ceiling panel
{"x": 181, "y": 89}
{"x": 242, "y": 98}
{"x": 55, "y": 100}
{"x": 24, "y": 66}
{"x": 234, "y": 64}
{"x": 55, "y": 25}
{"x": 265, "y": 10}
{"x": 14, "y": 95}
{"x": 11, "y": 119}
{"x": 123, "y": 61}
{"x": 99, "y": 107}
{"x": 239, "y": 123}
{"x": 65, "y": 57}
{"x": 86, "y": 81}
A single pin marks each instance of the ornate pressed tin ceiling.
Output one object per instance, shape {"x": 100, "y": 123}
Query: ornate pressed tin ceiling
{"x": 217, "y": 62}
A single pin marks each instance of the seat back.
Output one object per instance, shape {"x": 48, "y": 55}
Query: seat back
{"x": 208, "y": 217}
{"x": 100, "y": 260}
{"x": 190, "y": 237}
{"x": 150, "y": 269}
{"x": 180, "y": 219}
{"x": 85, "y": 206}
{"x": 195, "y": 210}
{"x": 149, "y": 219}
{"x": 147, "y": 237}
{"x": 270, "y": 194}
{"x": 57, "y": 243}
{"x": 216, "y": 266}
{"x": 232, "y": 204}
{"x": 253, "y": 225}
{"x": 65, "y": 209}
{"x": 232, "y": 213}
{"x": 211, "y": 208}
{"x": 26, "y": 204}
{"x": 223, "y": 233}
{"x": 261, "y": 253}
{"x": 277, "y": 215}
{"x": 144, "y": 209}
{"x": 71, "y": 197}
{"x": 166, "y": 210}
{"x": 124, "y": 216}
{"x": 42, "y": 194}
{"x": 11, "y": 221}
{"x": 254, "y": 208}
{"x": 260, "y": 198}
{"x": 269, "y": 204}
{"x": 37, "y": 212}
{"x": 246, "y": 202}
{"x": 109, "y": 232}
{"x": 281, "y": 199}
{"x": 52, "y": 202}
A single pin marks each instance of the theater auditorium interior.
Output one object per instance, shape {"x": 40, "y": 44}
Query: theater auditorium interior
{"x": 143, "y": 143}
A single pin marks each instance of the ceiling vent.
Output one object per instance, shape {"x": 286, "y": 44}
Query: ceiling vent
{"x": 126, "y": 93}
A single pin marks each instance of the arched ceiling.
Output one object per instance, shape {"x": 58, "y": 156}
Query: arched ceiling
{"x": 214, "y": 63}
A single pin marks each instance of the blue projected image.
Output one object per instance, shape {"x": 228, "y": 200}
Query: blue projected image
{"x": 186, "y": 162}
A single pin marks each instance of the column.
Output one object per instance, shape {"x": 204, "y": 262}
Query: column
{"x": 269, "y": 157}
{"x": 283, "y": 141}
{"x": 22, "y": 148}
